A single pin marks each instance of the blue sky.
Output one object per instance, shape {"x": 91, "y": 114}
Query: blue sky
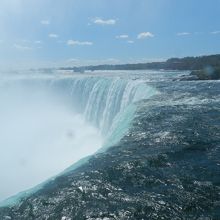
{"x": 78, "y": 32}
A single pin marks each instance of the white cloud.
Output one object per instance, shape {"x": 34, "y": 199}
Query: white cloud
{"x": 183, "y": 34}
{"x": 110, "y": 61}
{"x": 123, "y": 36}
{"x": 100, "y": 21}
{"x": 37, "y": 42}
{"x": 22, "y": 47}
{"x": 72, "y": 60}
{"x": 215, "y": 32}
{"x": 45, "y": 22}
{"x": 53, "y": 35}
{"x": 80, "y": 43}
{"x": 130, "y": 41}
{"x": 25, "y": 41}
{"x": 144, "y": 35}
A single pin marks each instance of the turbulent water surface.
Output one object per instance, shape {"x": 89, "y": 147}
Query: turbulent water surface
{"x": 157, "y": 141}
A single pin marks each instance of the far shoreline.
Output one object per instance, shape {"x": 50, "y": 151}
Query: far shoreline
{"x": 201, "y": 67}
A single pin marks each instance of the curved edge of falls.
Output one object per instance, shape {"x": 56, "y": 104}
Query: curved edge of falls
{"x": 109, "y": 104}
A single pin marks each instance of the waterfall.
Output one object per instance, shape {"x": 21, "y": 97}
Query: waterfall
{"x": 102, "y": 99}
{"x": 63, "y": 119}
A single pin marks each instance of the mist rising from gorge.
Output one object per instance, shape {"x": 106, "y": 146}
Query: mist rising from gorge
{"x": 40, "y": 136}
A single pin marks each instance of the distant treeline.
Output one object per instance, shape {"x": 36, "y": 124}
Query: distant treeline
{"x": 187, "y": 63}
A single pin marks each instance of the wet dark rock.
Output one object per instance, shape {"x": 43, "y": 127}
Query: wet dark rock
{"x": 208, "y": 73}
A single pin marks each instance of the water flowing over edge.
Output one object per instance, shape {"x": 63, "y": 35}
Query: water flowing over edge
{"x": 107, "y": 103}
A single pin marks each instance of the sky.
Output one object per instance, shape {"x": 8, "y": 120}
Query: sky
{"x": 47, "y": 33}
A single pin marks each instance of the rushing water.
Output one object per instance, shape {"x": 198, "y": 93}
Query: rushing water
{"x": 50, "y": 122}
{"x": 157, "y": 139}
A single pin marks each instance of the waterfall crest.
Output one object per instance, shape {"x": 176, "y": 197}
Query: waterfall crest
{"x": 101, "y": 100}
{"x": 81, "y": 114}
